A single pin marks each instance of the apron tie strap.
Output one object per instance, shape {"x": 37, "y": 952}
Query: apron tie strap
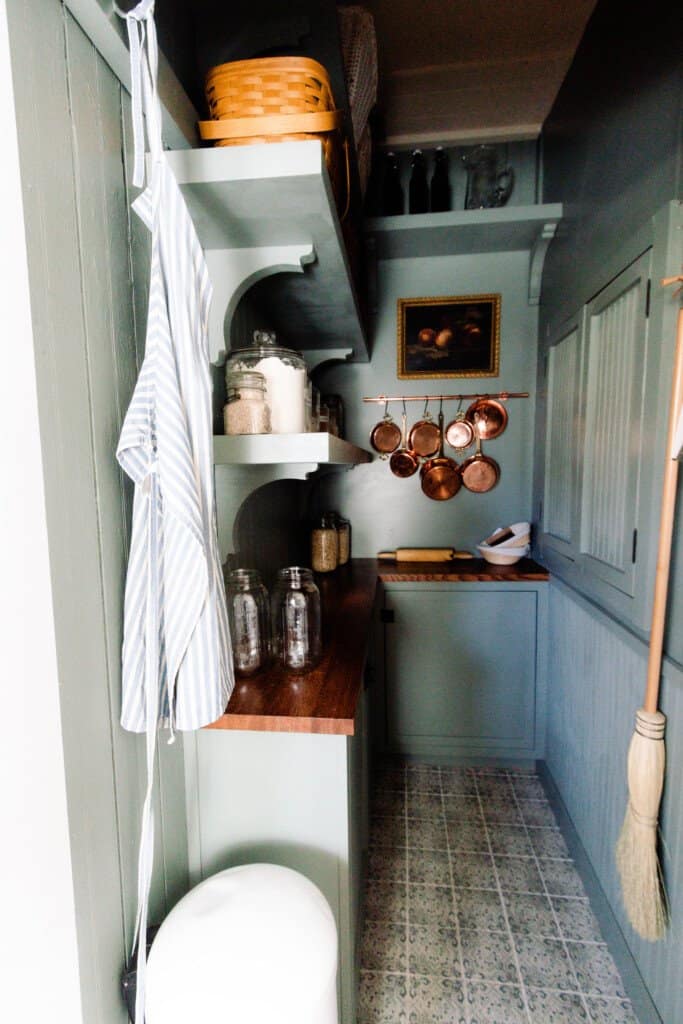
{"x": 144, "y": 61}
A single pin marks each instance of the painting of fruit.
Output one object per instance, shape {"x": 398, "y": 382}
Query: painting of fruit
{"x": 449, "y": 337}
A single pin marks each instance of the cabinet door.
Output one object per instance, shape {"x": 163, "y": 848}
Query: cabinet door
{"x": 461, "y": 671}
{"x": 616, "y": 340}
{"x": 562, "y": 434}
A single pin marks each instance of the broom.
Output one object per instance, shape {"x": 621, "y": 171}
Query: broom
{"x": 642, "y": 883}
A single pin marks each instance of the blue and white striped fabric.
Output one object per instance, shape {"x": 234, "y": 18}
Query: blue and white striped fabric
{"x": 166, "y": 435}
{"x": 177, "y": 658}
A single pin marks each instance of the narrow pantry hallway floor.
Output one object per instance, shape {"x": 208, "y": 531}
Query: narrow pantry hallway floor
{"x": 475, "y": 913}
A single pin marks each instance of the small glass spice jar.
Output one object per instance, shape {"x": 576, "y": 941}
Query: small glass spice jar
{"x": 325, "y": 544}
{"x": 344, "y": 536}
{"x": 249, "y": 620}
{"x": 246, "y": 411}
{"x": 296, "y": 619}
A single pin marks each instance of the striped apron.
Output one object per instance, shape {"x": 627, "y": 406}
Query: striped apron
{"x": 177, "y": 660}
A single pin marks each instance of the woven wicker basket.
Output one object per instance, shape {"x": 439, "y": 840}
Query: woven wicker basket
{"x": 276, "y": 99}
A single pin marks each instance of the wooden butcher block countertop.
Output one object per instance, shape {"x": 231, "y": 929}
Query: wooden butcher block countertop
{"x": 324, "y": 700}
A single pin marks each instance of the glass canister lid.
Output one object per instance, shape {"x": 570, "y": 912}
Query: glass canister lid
{"x": 264, "y": 344}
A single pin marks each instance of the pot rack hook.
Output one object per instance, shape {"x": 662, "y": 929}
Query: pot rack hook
{"x": 425, "y": 410}
{"x": 386, "y": 409}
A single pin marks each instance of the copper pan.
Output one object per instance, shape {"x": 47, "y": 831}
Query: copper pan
{"x": 424, "y": 436}
{"x": 440, "y": 475}
{"x": 480, "y": 473}
{"x": 404, "y": 462}
{"x": 385, "y": 436}
{"x": 460, "y": 432}
{"x": 489, "y": 416}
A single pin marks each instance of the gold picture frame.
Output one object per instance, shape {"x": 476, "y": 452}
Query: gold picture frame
{"x": 452, "y": 336}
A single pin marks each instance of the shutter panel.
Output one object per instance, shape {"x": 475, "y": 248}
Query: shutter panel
{"x": 617, "y": 337}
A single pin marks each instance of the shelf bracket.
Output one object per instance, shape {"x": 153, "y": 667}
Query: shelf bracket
{"x": 233, "y": 484}
{"x": 233, "y": 271}
{"x": 537, "y": 259}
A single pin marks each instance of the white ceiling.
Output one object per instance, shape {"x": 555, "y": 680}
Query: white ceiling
{"x": 471, "y": 70}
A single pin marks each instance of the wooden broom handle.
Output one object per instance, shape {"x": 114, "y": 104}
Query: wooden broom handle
{"x": 666, "y": 523}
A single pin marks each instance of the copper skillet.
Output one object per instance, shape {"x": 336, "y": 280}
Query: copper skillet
{"x": 460, "y": 432}
{"x": 424, "y": 436}
{"x": 440, "y": 475}
{"x": 385, "y": 436}
{"x": 489, "y": 416}
{"x": 480, "y": 473}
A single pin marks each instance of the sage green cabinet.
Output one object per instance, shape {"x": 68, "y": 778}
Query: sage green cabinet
{"x": 463, "y": 670}
{"x": 294, "y": 799}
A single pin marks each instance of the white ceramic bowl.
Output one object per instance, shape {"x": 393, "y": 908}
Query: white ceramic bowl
{"x": 501, "y": 555}
{"x": 519, "y": 538}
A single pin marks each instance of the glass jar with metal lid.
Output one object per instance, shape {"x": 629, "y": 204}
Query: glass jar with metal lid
{"x": 325, "y": 544}
{"x": 296, "y": 619}
{"x": 285, "y": 375}
{"x": 246, "y": 411}
{"x": 249, "y": 620}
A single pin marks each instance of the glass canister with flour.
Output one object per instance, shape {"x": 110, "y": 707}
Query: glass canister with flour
{"x": 286, "y": 379}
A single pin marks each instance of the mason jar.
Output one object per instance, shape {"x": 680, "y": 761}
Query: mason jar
{"x": 246, "y": 411}
{"x": 285, "y": 376}
{"x": 296, "y": 619}
{"x": 325, "y": 544}
{"x": 249, "y": 620}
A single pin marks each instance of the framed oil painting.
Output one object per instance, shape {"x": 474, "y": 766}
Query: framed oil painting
{"x": 449, "y": 337}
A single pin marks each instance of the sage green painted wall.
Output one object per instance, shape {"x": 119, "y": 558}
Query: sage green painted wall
{"x": 387, "y": 512}
{"x": 84, "y": 254}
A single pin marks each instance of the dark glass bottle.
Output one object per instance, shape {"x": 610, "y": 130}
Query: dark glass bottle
{"x": 392, "y": 192}
{"x": 418, "y": 196}
{"x": 440, "y": 188}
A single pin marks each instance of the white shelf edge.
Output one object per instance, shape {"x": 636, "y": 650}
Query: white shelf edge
{"x": 291, "y": 449}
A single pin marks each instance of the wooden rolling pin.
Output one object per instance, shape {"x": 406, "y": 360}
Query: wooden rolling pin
{"x": 422, "y": 555}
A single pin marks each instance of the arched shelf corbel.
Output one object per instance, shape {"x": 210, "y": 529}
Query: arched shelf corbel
{"x": 233, "y": 271}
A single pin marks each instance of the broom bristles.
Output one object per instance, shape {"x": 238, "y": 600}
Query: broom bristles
{"x": 641, "y": 878}
{"x": 642, "y": 883}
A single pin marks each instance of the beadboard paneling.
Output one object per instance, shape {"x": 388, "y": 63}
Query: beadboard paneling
{"x": 595, "y": 684}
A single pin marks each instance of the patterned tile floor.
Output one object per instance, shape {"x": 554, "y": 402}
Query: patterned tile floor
{"x": 474, "y": 912}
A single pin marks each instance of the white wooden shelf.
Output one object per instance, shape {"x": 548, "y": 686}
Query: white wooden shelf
{"x": 288, "y": 449}
{"x": 464, "y": 232}
{"x": 262, "y": 209}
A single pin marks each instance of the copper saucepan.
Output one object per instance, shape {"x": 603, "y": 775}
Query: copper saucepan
{"x": 480, "y": 473}
{"x": 440, "y": 475}
{"x": 385, "y": 436}
{"x": 489, "y": 416}
{"x": 404, "y": 462}
{"x": 424, "y": 435}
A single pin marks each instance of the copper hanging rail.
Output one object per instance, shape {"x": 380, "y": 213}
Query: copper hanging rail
{"x": 501, "y": 395}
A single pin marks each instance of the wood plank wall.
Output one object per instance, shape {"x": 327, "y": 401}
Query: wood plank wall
{"x": 85, "y": 253}
{"x": 595, "y": 685}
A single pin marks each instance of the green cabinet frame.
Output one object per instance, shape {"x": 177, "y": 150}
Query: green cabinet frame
{"x": 464, "y": 671}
